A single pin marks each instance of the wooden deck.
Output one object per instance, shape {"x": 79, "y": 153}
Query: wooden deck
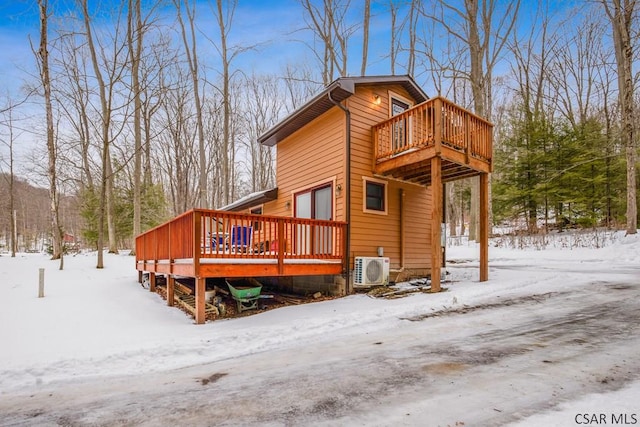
{"x": 405, "y": 144}
{"x": 205, "y": 243}
{"x": 200, "y": 243}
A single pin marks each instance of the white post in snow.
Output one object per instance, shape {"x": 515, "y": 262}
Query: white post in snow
{"x": 41, "y": 284}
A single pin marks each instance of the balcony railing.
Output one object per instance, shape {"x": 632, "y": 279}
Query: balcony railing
{"x": 435, "y": 123}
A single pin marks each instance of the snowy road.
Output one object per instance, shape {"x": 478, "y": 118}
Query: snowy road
{"x": 491, "y": 363}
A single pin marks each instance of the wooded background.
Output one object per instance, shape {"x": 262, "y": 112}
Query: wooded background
{"x": 129, "y": 123}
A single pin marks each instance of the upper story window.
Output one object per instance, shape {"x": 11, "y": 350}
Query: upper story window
{"x": 375, "y": 196}
{"x": 398, "y": 106}
{"x": 401, "y": 135}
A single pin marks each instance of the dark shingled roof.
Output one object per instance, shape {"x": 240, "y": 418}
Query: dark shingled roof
{"x": 252, "y": 200}
{"x": 340, "y": 90}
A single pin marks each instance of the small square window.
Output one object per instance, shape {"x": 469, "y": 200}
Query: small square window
{"x": 256, "y": 211}
{"x": 375, "y": 200}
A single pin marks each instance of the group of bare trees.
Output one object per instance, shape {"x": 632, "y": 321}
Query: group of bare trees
{"x": 149, "y": 113}
{"x": 137, "y": 127}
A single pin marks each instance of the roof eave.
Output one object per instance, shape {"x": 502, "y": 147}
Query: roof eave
{"x": 246, "y": 203}
{"x": 340, "y": 90}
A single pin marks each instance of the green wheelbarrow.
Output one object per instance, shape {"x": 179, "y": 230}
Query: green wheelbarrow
{"x": 246, "y": 297}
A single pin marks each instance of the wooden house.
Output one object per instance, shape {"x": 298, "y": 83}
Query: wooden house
{"x": 360, "y": 174}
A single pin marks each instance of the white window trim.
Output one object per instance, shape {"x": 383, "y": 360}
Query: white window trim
{"x": 409, "y": 122}
{"x": 385, "y": 184}
{"x": 330, "y": 181}
{"x": 400, "y": 98}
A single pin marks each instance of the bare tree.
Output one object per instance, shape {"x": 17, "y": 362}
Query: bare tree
{"x": 72, "y": 94}
{"x": 403, "y": 28}
{"x": 299, "y": 86}
{"x": 113, "y": 68}
{"x": 224, "y": 19}
{"x": 394, "y": 47}
{"x": 621, "y": 13}
{"x": 45, "y": 78}
{"x": 365, "y": 36}
{"x": 574, "y": 68}
{"x": 328, "y": 23}
{"x": 483, "y": 27}
{"x": 9, "y": 119}
{"x": 134, "y": 38}
{"x": 190, "y": 48}
{"x": 176, "y": 139}
{"x": 263, "y": 105}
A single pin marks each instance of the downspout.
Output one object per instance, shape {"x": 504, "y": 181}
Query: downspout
{"x": 347, "y": 204}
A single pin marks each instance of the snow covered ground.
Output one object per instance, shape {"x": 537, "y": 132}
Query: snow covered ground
{"x": 99, "y": 332}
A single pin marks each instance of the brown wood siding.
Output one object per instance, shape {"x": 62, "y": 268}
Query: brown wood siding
{"x": 312, "y": 155}
{"x": 316, "y": 154}
{"x": 370, "y": 230}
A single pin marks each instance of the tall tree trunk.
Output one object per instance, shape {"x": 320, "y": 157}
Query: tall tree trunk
{"x": 135, "y": 51}
{"x": 395, "y": 36}
{"x": 621, "y": 21}
{"x": 43, "y": 52}
{"x": 105, "y": 119}
{"x": 111, "y": 215}
{"x": 191, "y": 51}
{"x": 13, "y": 246}
{"x": 227, "y": 148}
{"x": 365, "y": 37}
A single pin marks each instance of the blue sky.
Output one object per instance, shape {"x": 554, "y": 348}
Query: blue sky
{"x": 273, "y": 26}
{"x": 18, "y": 20}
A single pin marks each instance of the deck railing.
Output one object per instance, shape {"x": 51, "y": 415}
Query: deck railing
{"x": 221, "y": 234}
{"x": 435, "y": 123}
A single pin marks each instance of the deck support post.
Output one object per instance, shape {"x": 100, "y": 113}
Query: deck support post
{"x": 484, "y": 227}
{"x": 200, "y": 297}
{"x": 152, "y": 281}
{"x": 437, "y": 126}
{"x": 436, "y": 219}
{"x": 171, "y": 286}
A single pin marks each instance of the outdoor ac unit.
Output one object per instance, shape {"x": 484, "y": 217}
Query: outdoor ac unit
{"x": 371, "y": 271}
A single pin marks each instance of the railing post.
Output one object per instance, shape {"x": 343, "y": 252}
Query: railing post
{"x": 488, "y": 131}
{"x": 376, "y": 141}
{"x": 281, "y": 243}
{"x": 436, "y": 220}
{"x": 155, "y": 248}
{"x": 196, "y": 242}
{"x": 468, "y": 141}
{"x": 170, "y": 247}
{"x": 437, "y": 107}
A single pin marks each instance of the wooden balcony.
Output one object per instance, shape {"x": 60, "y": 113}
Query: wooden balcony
{"x": 207, "y": 243}
{"x": 405, "y": 144}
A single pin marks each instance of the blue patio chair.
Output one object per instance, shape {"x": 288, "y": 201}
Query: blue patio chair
{"x": 218, "y": 242}
{"x": 240, "y": 239}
